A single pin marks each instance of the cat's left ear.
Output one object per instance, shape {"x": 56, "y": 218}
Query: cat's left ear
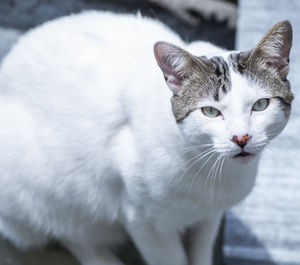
{"x": 174, "y": 62}
{"x": 274, "y": 48}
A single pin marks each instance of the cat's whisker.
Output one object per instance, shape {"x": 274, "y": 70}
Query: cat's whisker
{"x": 274, "y": 130}
{"x": 267, "y": 152}
{"x": 195, "y": 147}
{"x": 207, "y": 177}
{"x": 204, "y": 155}
{"x": 197, "y": 158}
{"x": 214, "y": 173}
{"x": 202, "y": 145}
{"x": 192, "y": 148}
{"x": 264, "y": 154}
{"x": 197, "y": 173}
{"x": 188, "y": 150}
{"x": 218, "y": 172}
{"x": 270, "y": 135}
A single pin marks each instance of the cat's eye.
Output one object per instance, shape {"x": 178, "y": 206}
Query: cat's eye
{"x": 210, "y": 112}
{"x": 260, "y": 104}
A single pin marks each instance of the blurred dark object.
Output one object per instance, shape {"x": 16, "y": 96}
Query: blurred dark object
{"x": 54, "y": 254}
{"x": 218, "y": 258}
{"x": 233, "y": 1}
{"x": 24, "y": 15}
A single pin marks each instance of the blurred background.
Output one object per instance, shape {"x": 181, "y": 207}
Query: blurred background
{"x": 265, "y": 228}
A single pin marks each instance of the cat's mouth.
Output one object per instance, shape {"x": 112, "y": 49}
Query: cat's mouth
{"x": 243, "y": 154}
{"x": 244, "y": 157}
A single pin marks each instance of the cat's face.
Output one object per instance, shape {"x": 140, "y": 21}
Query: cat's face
{"x": 240, "y": 124}
{"x": 235, "y": 103}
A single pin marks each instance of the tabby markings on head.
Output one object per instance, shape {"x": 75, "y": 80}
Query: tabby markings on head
{"x": 210, "y": 79}
{"x": 223, "y": 77}
{"x": 254, "y": 70}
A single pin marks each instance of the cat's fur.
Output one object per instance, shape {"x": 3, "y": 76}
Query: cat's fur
{"x": 91, "y": 145}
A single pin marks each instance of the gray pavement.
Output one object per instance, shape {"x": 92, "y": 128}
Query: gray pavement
{"x": 265, "y": 228}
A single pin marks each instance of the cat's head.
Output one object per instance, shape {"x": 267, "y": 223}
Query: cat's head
{"x": 234, "y": 103}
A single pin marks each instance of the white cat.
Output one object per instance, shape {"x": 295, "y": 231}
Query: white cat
{"x": 93, "y": 149}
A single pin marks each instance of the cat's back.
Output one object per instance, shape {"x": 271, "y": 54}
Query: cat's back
{"x": 89, "y": 60}
{"x": 84, "y": 64}
{"x": 73, "y": 77}
{"x": 99, "y": 43}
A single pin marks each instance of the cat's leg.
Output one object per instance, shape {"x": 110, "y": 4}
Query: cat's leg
{"x": 88, "y": 254}
{"x": 202, "y": 238}
{"x": 158, "y": 247}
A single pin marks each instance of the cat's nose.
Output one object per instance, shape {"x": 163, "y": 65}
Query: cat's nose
{"x": 241, "y": 141}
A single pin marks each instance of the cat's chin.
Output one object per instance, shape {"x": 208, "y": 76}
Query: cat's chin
{"x": 244, "y": 157}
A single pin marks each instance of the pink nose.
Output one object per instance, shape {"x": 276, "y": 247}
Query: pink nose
{"x": 241, "y": 141}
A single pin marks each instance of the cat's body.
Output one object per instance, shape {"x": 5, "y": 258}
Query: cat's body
{"x": 90, "y": 147}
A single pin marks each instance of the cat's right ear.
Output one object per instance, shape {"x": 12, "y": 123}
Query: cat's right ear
{"x": 274, "y": 49}
{"x": 172, "y": 60}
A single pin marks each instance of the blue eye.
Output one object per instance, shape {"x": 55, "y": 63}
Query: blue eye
{"x": 211, "y": 112}
{"x": 260, "y": 104}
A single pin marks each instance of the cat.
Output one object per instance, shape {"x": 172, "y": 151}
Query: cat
{"x": 111, "y": 125}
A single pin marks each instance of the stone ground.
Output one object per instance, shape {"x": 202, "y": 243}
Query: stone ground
{"x": 265, "y": 229}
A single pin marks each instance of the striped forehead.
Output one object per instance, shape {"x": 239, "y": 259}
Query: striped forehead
{"x": 222, "y": 77}
{"x": 216, "y": 83}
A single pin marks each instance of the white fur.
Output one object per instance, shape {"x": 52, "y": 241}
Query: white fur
{"x": 90, "y": 147}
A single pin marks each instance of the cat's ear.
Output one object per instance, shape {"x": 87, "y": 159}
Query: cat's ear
{"x": 274, "y": 48}
{"x": 173, "y": 61}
